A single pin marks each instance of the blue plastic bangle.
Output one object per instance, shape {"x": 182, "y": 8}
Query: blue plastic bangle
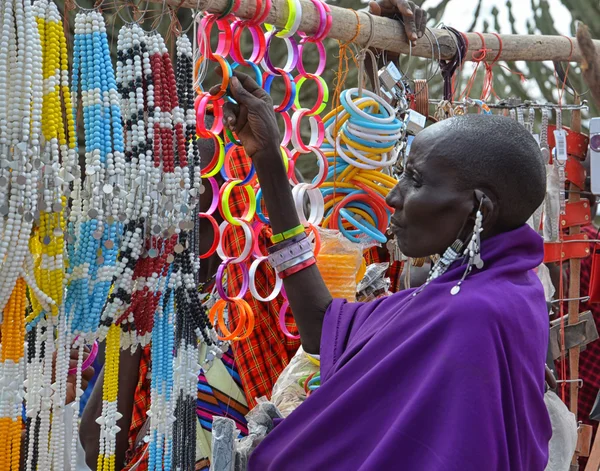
{"x": 364, "y": 226}
{"x": 267, "y": 88}
{"x": 257, "y": 77}
{"x": 359, "y": 205}
{"x": 259, "y": 212}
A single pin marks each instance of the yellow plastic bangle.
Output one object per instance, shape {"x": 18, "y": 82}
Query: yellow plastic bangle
{"x": 313, "y": 360}
{"x": 379, "y": 189}
{"x": 226, "y": 210}
{"x": 221, "y": 160}
{"x": 385, "y": 180}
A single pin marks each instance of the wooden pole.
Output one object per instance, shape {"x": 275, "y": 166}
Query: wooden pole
{"x": 389, "y": 34}
{"x": 574, "y": 293}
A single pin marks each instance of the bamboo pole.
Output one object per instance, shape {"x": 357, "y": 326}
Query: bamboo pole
{"x": 389, "y": 34}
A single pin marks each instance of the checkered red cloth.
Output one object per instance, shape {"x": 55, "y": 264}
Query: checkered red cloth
{"x": 141, "y": 405}
{"x": 266, "y": 352}
{"x": 589, "y": 359}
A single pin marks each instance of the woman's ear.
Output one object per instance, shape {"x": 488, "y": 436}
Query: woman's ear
{"x": 489, "y": 209}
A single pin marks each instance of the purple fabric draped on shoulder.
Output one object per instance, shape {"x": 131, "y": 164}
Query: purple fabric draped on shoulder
{"x": 430, "y": 381}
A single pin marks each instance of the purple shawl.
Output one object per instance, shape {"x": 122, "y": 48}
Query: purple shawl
{"x": 433, "y": 381}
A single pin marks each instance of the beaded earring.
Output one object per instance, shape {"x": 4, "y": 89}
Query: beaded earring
{"x": 472, "y": 251}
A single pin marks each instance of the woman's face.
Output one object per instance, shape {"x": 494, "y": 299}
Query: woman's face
{"x": 429, "y": 208}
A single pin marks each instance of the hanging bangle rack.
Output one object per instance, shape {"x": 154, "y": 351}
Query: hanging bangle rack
{"x": 517, "y": 104}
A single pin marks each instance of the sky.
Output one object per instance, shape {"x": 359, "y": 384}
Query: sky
{"x": 460, "y": 14}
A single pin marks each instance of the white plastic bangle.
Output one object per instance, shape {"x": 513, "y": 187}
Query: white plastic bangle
{"x": 249, "y": 242}
{"x": 372, "y": 134}
{"x": 386, "y": 160}
{"x": 323, "y": 168}
{"x": 252, "y": 282}
{"x": 383, "y": 105}
{"x": 317, "y": 131}
{"x": 374, "y": 164}
{"x": 317, "y": 204}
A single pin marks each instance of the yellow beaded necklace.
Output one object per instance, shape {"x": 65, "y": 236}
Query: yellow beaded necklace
{"x": 12, "y": 357}
{"x": 47, "y": 241}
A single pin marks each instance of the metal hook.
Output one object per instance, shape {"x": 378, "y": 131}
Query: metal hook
{"x": 159, "y": 18}
{"x": 86, "y": 10}
{"x": 582, "y": 299}
{"x": 195, "y": 12}
{"x": 133, "y": 21}
{"x": 578, "y": 381}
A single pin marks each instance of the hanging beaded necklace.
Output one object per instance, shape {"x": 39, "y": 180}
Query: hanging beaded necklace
{"x": 20, "y": 129}
{"x": 96, "y": 230}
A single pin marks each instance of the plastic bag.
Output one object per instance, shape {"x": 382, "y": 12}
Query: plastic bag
{"x": 261, "y": 420}
{"x": 374, "y": 284}
{"x": 340, "y": 262}
{"x": 564, "y": 433}
{"x": 224, "y": 433}
{"x": 287, "y": 393}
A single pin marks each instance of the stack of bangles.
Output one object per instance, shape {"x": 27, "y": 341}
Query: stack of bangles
{"x": 291, "y": 252}
{"x": 361, "y": 135}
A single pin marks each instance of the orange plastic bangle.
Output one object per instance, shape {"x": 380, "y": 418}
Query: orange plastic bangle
{"x": 317, "y": 247}
{"x": 246, "y": 319}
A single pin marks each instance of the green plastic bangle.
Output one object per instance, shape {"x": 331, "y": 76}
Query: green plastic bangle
{"x": 226, "y": 210}
{"x": 291, "y": 19}
{"x": 276, "y": 238}
{"x": 228, "y": 9}
{"x": 323, "y": 88}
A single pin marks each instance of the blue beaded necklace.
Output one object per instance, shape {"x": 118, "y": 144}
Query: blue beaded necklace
{"x": 94, "y": 231}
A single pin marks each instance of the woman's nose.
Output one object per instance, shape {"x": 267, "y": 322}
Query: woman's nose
{"x": 394, "y": 198}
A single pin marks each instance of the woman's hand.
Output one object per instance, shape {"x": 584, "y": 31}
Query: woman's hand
{"x": 253, "y": 118}
{"x": 413, "y": 16}
{"x": 86, "y": 375}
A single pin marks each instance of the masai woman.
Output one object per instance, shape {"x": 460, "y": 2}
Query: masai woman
{"x": 449, "y": 376}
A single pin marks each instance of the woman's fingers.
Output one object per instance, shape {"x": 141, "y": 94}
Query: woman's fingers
{"x": 231, "y": 112}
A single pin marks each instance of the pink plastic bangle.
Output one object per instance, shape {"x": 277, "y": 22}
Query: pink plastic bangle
{"x": 217, "y": 127}
{"x": 259, "y": 46}
{"x": 322, "y": 58}
{"x": 214, "y": 204}
{"x": 219, "y": 280}
{"x": 287, "y": 127}
{"x": 282, "y": 325}
{"x": 257, "y": 229}
{"x": 225, "y": 36}
{"x": 89, "y": 361}
{"x": 324, "y": 22}
{"x": 317, "y": 134}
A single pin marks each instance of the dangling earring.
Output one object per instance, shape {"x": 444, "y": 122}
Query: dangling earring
{"x": 473, "y": 250}
{"x": 451, "y": 255}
